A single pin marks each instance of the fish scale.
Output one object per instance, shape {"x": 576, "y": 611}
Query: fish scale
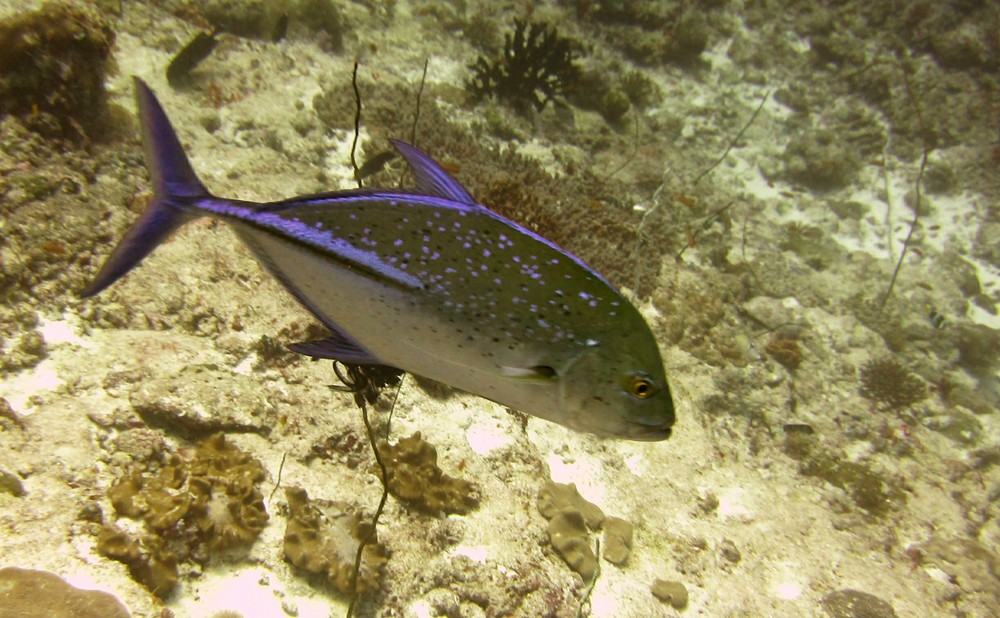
{"x": 469, "y": 261}
{"x": 433, "y": 283}
{"x": 471, "y": 271}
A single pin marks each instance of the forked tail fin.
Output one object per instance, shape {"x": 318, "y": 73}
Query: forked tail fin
{"x": 176, "y": 189}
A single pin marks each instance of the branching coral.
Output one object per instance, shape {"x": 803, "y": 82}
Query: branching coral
{"x": 889, "y": 384}
{"x": 190, "y": 506}
{"x": 536, "y": 67}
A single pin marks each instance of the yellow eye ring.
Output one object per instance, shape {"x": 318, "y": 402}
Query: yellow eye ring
{"x": 640, "y": 387}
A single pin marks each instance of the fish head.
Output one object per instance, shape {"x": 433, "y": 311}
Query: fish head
{"x": 617, "y": 391}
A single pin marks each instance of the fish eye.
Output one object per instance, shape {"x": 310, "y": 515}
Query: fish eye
{"x": 640, "y": 387}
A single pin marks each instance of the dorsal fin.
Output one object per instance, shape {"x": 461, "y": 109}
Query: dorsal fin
{"x": 431, "y": 177}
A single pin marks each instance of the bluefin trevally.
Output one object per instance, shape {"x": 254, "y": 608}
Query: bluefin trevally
{"x": 430, "y": 282}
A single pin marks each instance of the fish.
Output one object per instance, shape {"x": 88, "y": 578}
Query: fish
{"x": 937, "y": 320}
{"x": 196, "y": 50}
{"x": 430, "y": 282}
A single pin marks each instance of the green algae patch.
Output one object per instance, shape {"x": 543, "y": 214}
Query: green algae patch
{"x": 322, "y": 537}
{"x": 27, "y": 593}
{"x": 870, "y": 491}
{"x": 849, "y": 603}
{"x": 415, "y": 478}
{"x": 191, "y": 507}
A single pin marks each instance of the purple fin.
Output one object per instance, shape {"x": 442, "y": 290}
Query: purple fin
{"x": 337, "y": 348}
{"x": 175, "y": 189}
{"x": 431, "y": 178}
{"x": 169, "y": 167}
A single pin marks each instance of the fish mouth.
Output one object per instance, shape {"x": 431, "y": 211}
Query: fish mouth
{"x": 649, "y": 433}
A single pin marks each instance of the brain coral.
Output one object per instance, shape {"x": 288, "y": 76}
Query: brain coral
{"x": 36, "y": 594}
{"x": 415, "y": 478}
{"x": 323, "y": 537}
{"x": 191, "y": 507}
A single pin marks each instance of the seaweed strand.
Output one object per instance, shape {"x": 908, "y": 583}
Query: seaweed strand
{"x": 384, "y": 477}
{"x": 659, "y": 190}
{"x": 277, "y": 483}
{"x": 365, "y": 382}
{"x": 593, "y": 580}
{"x": 416, "y": 114}
{"x": 357, "y": 123}
{"x": 732, "y": 142}
{"x": 927, "y": 147}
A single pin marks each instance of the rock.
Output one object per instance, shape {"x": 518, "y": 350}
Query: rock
{"x": 819, "y": 160}
{"x": 617, "y": 540}
{"x": 11, "y": 484}
{"x": 568, "y": 533}
{"x": 977, "y": 346}
{"x": 729, "y": 553}
{"x": 776, "y": 314}
{"x": 554, "y": 497}
{"x": 987, "y": 245}
{"x": 849, "y": 603}
{"x": 964, "y": 47}
{"x": 671, "y": 592}
{"x": 55, "y": 62}
{"x": 7, "y": 412}
{"x": 26, "y": 593}
{"x": 197, "y": 402}
{"x": 973, "y": 566}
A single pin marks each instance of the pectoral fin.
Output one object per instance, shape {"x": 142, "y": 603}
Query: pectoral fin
{"x": 538, "y": 373}
{"x": 336, "y": 347}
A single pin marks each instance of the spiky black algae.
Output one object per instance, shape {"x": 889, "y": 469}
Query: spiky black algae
{"x": 889, "y": 384}
{"x": 536, "y": 67}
